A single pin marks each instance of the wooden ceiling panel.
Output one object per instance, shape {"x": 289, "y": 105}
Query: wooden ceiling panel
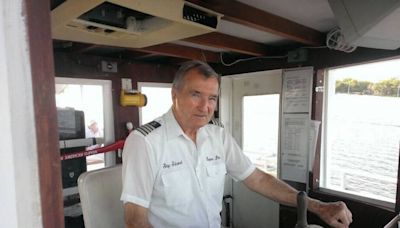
{"x": 168, "y": 49}
{"x": 183, "y": 52}
{"x": 233, "y": 11}
{"x": 241, "y": 13}
{"x": 231, "y": 43}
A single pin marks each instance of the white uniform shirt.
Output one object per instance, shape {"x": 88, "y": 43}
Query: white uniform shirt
{"x": 180, "y": 183}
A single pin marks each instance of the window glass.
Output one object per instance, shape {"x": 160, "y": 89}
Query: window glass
{"x": 362, "y": 130}
{"x": 159, "y": 100}
{"x": 89, "y": 99}
{"x": 260, "y": 131}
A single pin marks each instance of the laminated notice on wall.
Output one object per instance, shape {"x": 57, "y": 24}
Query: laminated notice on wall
{"x": 296, "y": 90}
{"x": 295, "y": 124}
{"x": 294, "y": 148}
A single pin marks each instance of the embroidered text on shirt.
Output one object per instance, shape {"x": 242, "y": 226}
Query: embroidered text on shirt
{"x": 213, "y": 158}
{"x": 172, "y": 164}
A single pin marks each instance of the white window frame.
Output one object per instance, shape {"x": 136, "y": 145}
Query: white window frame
{"x": 328, "y": 82}
{"x": 109, "y": 137}
{"x": 154, "y": 85}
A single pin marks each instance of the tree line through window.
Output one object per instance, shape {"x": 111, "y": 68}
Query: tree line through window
{"x": 389, "y": 87}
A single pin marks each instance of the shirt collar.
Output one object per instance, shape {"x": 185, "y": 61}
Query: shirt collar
{"x": 175, "y": 130}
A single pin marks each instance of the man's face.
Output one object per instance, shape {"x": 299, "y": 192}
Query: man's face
{"x": 93, "y": 127}
{"x": 194, "y": 103}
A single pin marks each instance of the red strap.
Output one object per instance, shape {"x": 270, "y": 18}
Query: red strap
{"x": 109, "y": 148}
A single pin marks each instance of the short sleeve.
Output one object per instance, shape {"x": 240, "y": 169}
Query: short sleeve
{"x": 138, "y": 174}
{"x": 239, "y": 166}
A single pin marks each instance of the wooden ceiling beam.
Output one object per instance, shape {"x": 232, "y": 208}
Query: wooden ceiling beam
{"x": 176, "y": 61}
{"x": 241, "y": 13}
{"x": 80, "y": 48}
{"x": 137, "y": 54}
{"x": 146, "y": 55}
{"x": 184, "y": 52}
{"x": 168, "y": 49}
{"x": 231, "y": 43}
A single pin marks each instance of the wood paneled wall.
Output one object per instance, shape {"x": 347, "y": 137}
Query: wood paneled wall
{"x": 86, "y": 66}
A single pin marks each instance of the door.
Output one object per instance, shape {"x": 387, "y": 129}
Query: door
{"x": 250, "y": 108}
{"x": 94, "y": 97}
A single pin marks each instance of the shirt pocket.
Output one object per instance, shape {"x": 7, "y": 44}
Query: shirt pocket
{"x": 215, "y": 181}
{"x": 215, "y": 171}
{"x": 177, "y": 187}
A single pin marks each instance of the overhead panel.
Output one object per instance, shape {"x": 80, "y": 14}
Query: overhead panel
{"x": 369, "y": 23}
{"x": 130, "y": 23}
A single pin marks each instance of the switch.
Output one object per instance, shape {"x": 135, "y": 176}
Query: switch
{"x": 298, "y": 55}
{"x": 126, "y": 84}
{"x": 107, "y": 66}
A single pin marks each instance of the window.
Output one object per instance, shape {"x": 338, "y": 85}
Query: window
{"x": 159, "y": 100}
{"x": 260, "y": 131}
{"x": 93, "y": 97}
{"x": 361, "y": 134}
{"x": 83, "y": 98}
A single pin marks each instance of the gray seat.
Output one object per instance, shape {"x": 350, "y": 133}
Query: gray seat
{"x": 100, "y": 192}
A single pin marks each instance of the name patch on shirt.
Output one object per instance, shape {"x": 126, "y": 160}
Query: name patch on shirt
{"x": 172, "y": 164}
{"x": 212, "y": 158}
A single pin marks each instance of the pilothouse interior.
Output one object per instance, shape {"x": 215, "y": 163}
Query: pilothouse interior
{"x": 310, "y": 90}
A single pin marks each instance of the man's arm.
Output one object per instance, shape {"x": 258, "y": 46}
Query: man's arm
{"x": 135, "y": 216}
{"x": 334, "y": 214}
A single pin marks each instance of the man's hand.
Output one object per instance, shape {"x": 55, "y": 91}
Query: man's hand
{"x": 335, "y": 214}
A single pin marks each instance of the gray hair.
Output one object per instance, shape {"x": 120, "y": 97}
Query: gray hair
{"x": 201, "y": 67}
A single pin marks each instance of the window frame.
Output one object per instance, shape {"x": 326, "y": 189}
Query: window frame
{"x": 319, "y": 102}
{"x": 279, "y": 98}
{"x": 109, "y": 131}
{"x": 140, "y": 85}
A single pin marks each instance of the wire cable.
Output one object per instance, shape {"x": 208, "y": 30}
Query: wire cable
{"x": 248, "y": 59}
{"x": 336, "y": 40}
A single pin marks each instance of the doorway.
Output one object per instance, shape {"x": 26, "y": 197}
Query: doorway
{"x": 250, "y": 108}
{"x": 94, "y": 98}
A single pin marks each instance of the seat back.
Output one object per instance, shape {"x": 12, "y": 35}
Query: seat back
{"x": 100, "y": 192}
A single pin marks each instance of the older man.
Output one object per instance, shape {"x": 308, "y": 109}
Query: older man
{"x": 174, "y": 167}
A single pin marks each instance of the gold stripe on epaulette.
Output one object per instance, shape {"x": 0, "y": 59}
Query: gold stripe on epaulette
{"x": 147, "y": 128}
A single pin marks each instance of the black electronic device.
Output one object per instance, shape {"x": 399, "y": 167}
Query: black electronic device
{"x": 71, "y": 169}
{"x": 112, "y": 15}
{"x": 199, "y": 16}
{"x": 71, "y": 128}
{"x": 71, "y": 123}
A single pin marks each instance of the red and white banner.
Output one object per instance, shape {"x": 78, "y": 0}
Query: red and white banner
{"x": 109, "y": 148}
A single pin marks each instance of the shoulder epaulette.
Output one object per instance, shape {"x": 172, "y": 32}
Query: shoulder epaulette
{"x": 216, "y": 122}
{"x": 147, "y": 128}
